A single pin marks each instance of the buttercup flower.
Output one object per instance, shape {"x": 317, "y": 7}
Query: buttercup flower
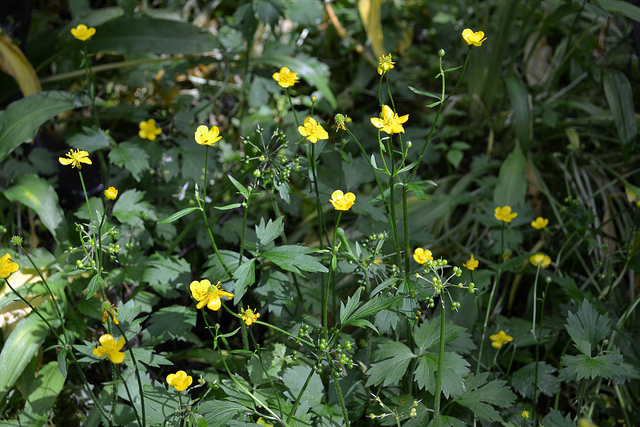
{"x": 285, "y": 77}
{"x": 82, "y": 32}
{"x": 540, "y": 260}
{"x": 7, "y": 267}
{"x": 422, "y": 255}
{"x": 504, "y": 214}
{"x": 525, "y": 415}
{"x": 249, "y": 316}
{"x": 390, "y": 122}
{"x": 180, "y": 380}
{"x": 472, "y": 38}
{"x": 109, "y": 309}
{"x": 148, "y": 130}
{"x": 111, "y": 348}
{"x": 207, "y": 294}
{"x": 312, "y": 130}
{"x": 471, "y": 264}
{"x": 499, "y": 339}
{"x": 539, "y": 223}
{"x": 204, "y": 136}
{"x": 75, "y": 159}
{"x": 111, "y": 193}
{"x": 341, "y": 201}
{"x": 385, "y": 64}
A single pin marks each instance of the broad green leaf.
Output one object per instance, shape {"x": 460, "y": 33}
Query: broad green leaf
{"x": 347, "y": 309}
{"x": 394, "y": 358}
{"x": 161, "y": 405}
{"x": 42, "y": 394}
{"x": 143, "y": 35}
{"x": 620, "y": 98}
{"x": 22, "y": 118}
{"x": 90, "y": 140}
{"x": 371, "y": 307}
{"x": 245, "y": 276}
{"x": 221, "y": 412}
{"x": 523, "y": 380}
{"x": 427, "y": 335}
{"x": 295, "y": 378}
{"x": 512, "y": 185}
{"x": 521, "y": 110}
{"x": 164, "y": 272}
{"x": 131, "y": 209}
{"x": 130, "y": 156}
{"x": 305, "y": 12}
{"x": 607, "y": 366}
{"x": 622, "y": 7}
{"x": 587, "y": 327}
{"x": 266, "y": 234}
{"x": 176, "y": 216}
{"x": 454, "y": 369}
{"x": 294, "y": 258}
{"x": 480, "y": 396}
{"x": 171, "y": 323}
{"x": 39, "y": 195}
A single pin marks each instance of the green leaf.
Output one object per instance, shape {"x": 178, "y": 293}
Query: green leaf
{"x": 294, "y": 258}
{"x": 90, "y": 140}
{"x": 176, "y": 216}
{"x": 607, "y": 366}
{"x": 479, "y": 396}
{"x": 228, "y": 207}
{"x": 523, "y": 380}
{"x": 521, "y": 110}
{"x": 266, "y": 234}
{"x": 163, "y": 272}
{"x": 241, "y": 188}
{"x": 22, "y": 118}
{"x": 295, "y": 379}
{"x": 427, "y": 335}
{"x": 512, "y": 184}
{"x": 587, "y": 327}
{"x": 129, "y": 154}
{"x": 423, "y": 93}
{"x": 92, "y": 287}
{"x": 305, "y": 12}
{"x": 220, "y": 412}
{"x": 454, "y": 368}
{"x": 245, "y": 276}
{"x": 394, "y": 358}
{"x": 173, "y": 322}
{"x": 620, "y": 98}
{"x": 622, "y": 7}
{"x": 42, "y": 394}
{"x": 143, "y": 35}
{"x": 130, "y": 209}
{"x": 39, "y": 195}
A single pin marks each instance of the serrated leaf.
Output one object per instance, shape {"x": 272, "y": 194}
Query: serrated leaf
{"x": 131, "y": 156}
{"x": 90, "y": 140}
{"x": 454, "y": 369}
{"x": 587, "y": 327}
{"x": 607, "y": 366}
{"x": 523, "y": 380}
{"x": 294, "y": 258}
{"x": 371, "y": 307}
{"x": 42, "y": 394}
{"x": 266, "y": 234}
{"x": 163, "y": 271}
{"x": 394, "y": 358}
{"x": 427, "y": 335}
{"x": 130, "y": 208}
{"x": 479, "y": 396}
{"x": 245, "y": 276}
{"x": 174, "y": 322}
{"x": 295, "y": 378}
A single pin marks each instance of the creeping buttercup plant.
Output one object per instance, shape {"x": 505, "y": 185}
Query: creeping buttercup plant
{"x": 265, "y": 232}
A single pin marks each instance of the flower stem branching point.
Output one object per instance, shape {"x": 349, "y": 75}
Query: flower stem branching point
{"x": 111, "y": 348}
{"x": 473, "y": 38}
{"x": 207, "y": 294}
{"x": 180, "y": 380}
{"x": 206, "y": 136}
{"x": 285, "y": 77}
{"x": 75, "y": 158}
{"x": 82, "y": 32}
{"x": 390, "y": 122}
{"x": 7, "y": 267}
{"x": 149, "y": 130}
{"x": 504, "y": 213}
{"x": 342, "y": 201}
{"x": 312, "y": 130}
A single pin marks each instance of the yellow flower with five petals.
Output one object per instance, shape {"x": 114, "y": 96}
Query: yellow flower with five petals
{"x": 500, "y": 339}
{"x": 540, "y": 260}
{"x": 312, "y": 130}
{"x": 422, "y": 256}
{"x": 75, "y": 158}
{"x": 111, "y": 348}
{"x": 342, "y": 201}
{"x": 206, "y": 136}
{"x": 504, "y": 214}
{"x": 82, "y": 32}
{"x": 207, "y": 294}
{"x": 473, "y": 38}
{"x": 285, "y": 77}
{"x": 249, "y": 316}
{"x": 7, "y": 267}
{"x": 390, "y": 122}
{"x": 111, "y": 193}
{"x": 149, "y": 130}
{"x": 471, "y": 264}
{"x": 540, "y": 223}
{"x": 180, "y": 380}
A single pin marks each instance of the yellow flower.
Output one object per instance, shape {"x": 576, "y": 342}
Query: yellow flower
{"x": 471, "y": 264}
{"x": 249, "y": 316}
{"x": 539, "y": 223}
{"x": 180, "y": 380}
{"x": 312, "y": 130}
{"x": 583, "y": 422}
{"x": 75, "y": 158}
{"x": 500, "y": 339}
{"x": 148, "y": 130}
{"x": 422, "y": 255}
{"x": 340, "y": 120}
{"x": 111, "y": 193}
{"x": 204, "y": 136}
{"x": 525, "y": 415}
{"x": 390, "y": 122}
{"x": 7, "y": 267}
{"x": 81, "y": 32}
{"x": 504, "y": 214}
{"x": 341, "y": 201}
{"x": 540, "y": 260}
{"x": 472, "y": 38}
{"x": 109, "y": 309}
{"x": 207, "y": 294}
{"x": 285, "y": 77}
{"x": 385, "y": 64}
{"x": 111, "y": 348}
{"x": 262, "y": 422}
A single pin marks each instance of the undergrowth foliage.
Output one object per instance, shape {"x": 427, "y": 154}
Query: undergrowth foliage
{"x": 268, "y": 226}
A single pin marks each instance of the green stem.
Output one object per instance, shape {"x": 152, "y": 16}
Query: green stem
{"x": 302, "y": 390}
{"x": 486, "y": 321}
{"x": 320, "y": 211}
{"x": 213, "y": 242}
{"x": 136, "y": 371}
{"x": 439, "y": 373}
{"x": 345, "y": 414}
{"x": 126, "y": 388}
{"x": 244, "y": 223}
{"x": 325, "y": 291}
